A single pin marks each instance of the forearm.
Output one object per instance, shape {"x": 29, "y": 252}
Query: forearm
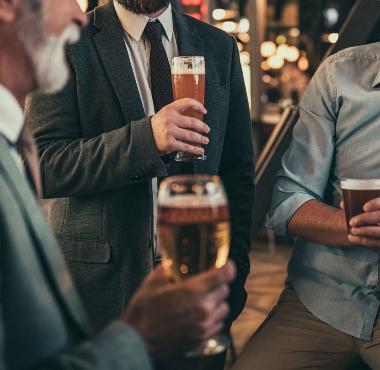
{"x": 319, "y": 223}
{"x": 75, "y": 167}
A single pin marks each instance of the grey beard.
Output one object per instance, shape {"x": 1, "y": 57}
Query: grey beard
{"x": 46, "y": 53}
{"x": 144, "y": 6}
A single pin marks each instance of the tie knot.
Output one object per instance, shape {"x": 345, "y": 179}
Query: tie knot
{"x": 153, "y": 31}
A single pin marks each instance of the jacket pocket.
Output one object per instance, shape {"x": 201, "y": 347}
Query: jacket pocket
{"x": 84, "y": 250}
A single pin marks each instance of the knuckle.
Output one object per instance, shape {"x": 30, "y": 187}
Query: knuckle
{"x": 193, "y": 136}
{"x": 203, "y": 311}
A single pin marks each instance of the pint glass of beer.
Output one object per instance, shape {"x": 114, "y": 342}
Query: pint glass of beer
{"x": 188, "y": 80}
{"x": 356, "y": 193}
{"x": 194, "y": 232}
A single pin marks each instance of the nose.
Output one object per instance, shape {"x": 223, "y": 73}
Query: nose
{"x": 78, "y": 16}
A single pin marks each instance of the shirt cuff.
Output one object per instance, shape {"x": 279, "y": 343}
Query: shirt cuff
{"x": 279, "y": 217}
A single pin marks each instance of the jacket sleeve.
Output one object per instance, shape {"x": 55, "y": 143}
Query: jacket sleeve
{"x": 237, "y": 173}
{"x": 73, "y": 165}
{"x": 118, "y": 347}
{"x": 306, "y": 166}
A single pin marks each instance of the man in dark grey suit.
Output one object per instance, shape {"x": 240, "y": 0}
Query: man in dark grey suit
{"x": 42, "y": 322}
{"x": 103, "y": 138}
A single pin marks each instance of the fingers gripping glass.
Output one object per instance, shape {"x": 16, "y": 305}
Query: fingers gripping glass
{"x": 194, "y": 232}
{"x": 188, "y": 79}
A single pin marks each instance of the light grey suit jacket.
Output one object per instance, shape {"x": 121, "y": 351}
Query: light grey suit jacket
{"x": 42, "y": 322}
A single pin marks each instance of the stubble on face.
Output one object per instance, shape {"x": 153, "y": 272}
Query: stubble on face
{"x": 144, "y": 6}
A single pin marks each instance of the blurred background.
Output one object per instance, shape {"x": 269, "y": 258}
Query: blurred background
{"x": 281, "y": 44}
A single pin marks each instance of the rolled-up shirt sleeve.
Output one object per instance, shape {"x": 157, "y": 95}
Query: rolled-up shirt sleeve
{"x": 306, "y": 165}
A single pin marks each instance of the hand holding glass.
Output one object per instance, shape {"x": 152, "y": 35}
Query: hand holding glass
{"x": 194, "y": 232}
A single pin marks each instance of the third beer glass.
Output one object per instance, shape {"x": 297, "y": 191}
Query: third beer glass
{"x": 188, "y": 80}
{"x": 194, "y": 231}
{"x": 356, "y": 193}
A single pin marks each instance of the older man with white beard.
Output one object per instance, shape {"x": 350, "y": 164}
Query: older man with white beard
{"x": 42, "y": 322}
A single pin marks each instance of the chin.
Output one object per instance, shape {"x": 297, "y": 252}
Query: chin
{"x": 52, "y": 70}
{"x": 53, "y": 79}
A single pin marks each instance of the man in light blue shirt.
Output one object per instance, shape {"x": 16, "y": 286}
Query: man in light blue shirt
{"x": 327, "y": 315}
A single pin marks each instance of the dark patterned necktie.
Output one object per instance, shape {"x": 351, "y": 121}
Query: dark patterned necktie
{"x": 160, "y": 74}
{"x": 161, "y": 82}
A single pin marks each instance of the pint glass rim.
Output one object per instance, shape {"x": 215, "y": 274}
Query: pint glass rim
{"x": 360, "y": 184}
{"x": 198, "y": 63}
{"x": 188, "y": 57}
{"x": 216, "y": 197}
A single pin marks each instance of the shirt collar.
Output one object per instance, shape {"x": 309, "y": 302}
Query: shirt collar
{"x": 134, "y": 24}
{"x": 11, "y": 116}
{"x": 376, "y": 81}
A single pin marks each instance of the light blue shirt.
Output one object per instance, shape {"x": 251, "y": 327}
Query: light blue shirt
{"x": 336, "y": 137}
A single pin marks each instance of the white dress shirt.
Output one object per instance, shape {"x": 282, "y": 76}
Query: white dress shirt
{"x": 11, "y": 122}
{"x": 139, "y": 54}
{"x": 139, "y": 48}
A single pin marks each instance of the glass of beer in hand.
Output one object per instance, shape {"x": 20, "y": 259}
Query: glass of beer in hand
{"x": 356, "y": 193}
{"x": 194, "y": 232}
{"x": 188, "y": 80}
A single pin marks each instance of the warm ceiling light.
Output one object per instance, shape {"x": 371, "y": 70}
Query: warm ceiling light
{"x": 229, "y": 26}
{"x": 276, "y": 62}
{"x": 303, "y": 63}
{"x": 244, "y": 37}
{"x": 267, "y": 79}
{"x": 280, "y": 39}
{"x": 294, "y": 32}
{"x": 292, "y": 54}
{"x": 264, "y": 65}
{"x": 219, "y": 14}
{"x": 244, "y": 25}
{"x": 282, "y": 50}
{"x": 267, "y": 49}
{"x": 333, "y": 38}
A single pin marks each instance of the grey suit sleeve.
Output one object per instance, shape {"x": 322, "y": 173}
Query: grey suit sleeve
{"x": 73, "y": 165}
{"x": 237, "y": 173}
{"x": 118, "y": 347}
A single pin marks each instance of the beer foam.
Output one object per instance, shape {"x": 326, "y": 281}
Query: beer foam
{"x": 192, "y": 201}
{"x": 188, "y": 66}
{"x": 360, "y": 184}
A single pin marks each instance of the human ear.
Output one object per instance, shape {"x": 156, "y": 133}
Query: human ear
{"x": 8, "y": 10}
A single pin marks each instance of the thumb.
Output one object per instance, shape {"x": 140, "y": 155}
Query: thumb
{"x": 158, "y": 278}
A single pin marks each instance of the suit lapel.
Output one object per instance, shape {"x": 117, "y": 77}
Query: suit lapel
{"x": 45, "y": 245}
{"x": 110, "y": 44}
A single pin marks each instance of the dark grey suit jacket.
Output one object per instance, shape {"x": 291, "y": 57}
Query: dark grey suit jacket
{"x": 42, "y": 322}
{"x": 98, "y": 157}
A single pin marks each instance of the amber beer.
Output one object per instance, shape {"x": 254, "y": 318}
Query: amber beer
{"x": 193, "y": 239}
{"x": 188, "y": 80}
{"x": 194, "y": 233}
{"x": 189, "y": 86}
{"x": 356, "y": 193}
